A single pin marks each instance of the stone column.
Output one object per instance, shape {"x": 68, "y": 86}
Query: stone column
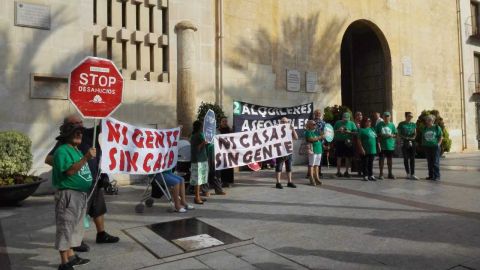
{"x": 186, "y": 105}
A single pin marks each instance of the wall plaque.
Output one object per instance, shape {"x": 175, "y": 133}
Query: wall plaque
{"x": 32, "y": 15}
{"x": 293, "y": 80}
{"x": 48, "y": 86}
{"x": 311, "y": 82}
{"x": 407, "y": 66}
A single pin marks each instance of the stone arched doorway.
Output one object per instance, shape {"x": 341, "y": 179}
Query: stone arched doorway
{"x": 366, "y": 69}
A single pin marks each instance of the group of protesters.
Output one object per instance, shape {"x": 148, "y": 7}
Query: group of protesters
{"x": 360, "y": 140}
{"x": 77, "y": 178}
{"x": 75, "y": 162}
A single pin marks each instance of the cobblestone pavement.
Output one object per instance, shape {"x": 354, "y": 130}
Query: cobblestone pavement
{"x": 344, "y": 224}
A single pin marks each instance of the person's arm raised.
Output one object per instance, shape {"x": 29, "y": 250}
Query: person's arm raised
{"x": 92, "y": 152}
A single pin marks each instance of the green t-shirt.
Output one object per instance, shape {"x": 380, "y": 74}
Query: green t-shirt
{"x": 317, "y": 146}
{"x": 384, "y": 129}
{"x": 431, "y": 136}
{"x": 406, "y": 129}
{"x": 63, "y": 158}
{"x": 348, "y": 125}
{"x": 368, "y": 137}
{"x": 198, "y": 155}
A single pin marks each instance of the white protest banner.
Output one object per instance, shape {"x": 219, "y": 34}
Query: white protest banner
{"x": 133, "y": 150}
{"x": 243, "y": 148}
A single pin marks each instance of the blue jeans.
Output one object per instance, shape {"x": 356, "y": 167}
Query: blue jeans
{"x": 433, "y": 161}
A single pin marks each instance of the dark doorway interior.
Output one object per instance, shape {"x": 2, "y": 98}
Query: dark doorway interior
{"x": 366, "y": 69}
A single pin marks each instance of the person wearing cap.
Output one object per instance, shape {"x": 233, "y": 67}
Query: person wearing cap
{"x": 96, "y": 207}
{"x": 407, "y": 131}
{"x": 387, "y": 133}
{"x": 343, "y": 138}
{"x": 432, "y": 137}
{"x": 73, "y": 179}
{"x": 285, "y": 159}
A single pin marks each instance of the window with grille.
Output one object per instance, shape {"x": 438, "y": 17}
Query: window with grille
{"x": 134, "y": 35}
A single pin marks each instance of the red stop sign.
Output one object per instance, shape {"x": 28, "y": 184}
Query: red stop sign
{"x": 96, "y": 87}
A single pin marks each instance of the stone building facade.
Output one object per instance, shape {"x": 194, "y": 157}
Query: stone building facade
{"x": 372, "y": 55}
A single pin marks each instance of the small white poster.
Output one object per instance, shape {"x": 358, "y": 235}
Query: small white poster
{"x": 311, "y": 82}
{"x": 293, "y": 80}
{"x": 407, "y": 66}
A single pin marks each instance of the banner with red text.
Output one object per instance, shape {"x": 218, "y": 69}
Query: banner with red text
{"x": 243, "y": 148}
{"x": 133, "y": 150}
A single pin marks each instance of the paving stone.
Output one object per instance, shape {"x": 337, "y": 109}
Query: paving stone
{"x": 186, "y": 264}
{"x": 224, "y": 260}
{"x": 263, "y": 259}
{"x": 156, "y": 244}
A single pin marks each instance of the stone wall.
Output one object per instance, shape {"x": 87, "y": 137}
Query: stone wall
{"x": 264, "y": 38}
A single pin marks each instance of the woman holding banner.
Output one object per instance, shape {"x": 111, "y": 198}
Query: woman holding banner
{"x": 199, "y": 160}
{"x": 287, "y": 160}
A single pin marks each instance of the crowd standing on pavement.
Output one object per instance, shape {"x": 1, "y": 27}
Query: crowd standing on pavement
{"x": 75, "y": 161}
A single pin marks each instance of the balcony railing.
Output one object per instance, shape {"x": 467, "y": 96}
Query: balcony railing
{"x": 472, "y": 28}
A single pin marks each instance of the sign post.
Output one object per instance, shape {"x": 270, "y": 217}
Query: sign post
{"x": 95, "y": 89}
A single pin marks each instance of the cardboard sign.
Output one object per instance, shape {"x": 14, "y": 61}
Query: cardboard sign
{"x": 133, "y": 150}
{"x": 209, "y": 126}
{"x": 243, "y": 148}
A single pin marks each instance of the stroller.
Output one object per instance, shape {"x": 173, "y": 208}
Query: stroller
{"x": 155, "y": 184}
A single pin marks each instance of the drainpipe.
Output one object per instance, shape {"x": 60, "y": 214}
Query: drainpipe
{"x": 219, "y": 53}
{"x": 462, "y": 77}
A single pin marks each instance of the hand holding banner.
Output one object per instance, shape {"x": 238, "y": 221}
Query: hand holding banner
{"x": 134, "y": 150}
{"x": 243, "y": 148}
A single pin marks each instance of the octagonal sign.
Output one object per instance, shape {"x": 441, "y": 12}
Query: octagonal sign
{"x": 95, "y": 87}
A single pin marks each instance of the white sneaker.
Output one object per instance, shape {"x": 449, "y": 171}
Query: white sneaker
{"x": 365, "y": 178}
{"x": 413, "y": 177}
{"x": 408, "y": 176}
{"x": 181, "y": 210}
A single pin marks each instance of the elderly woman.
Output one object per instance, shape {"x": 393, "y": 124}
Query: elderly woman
{"x": 432, "y": 137}
{"x": 72, "y": 178}
{"x": 368, "y": 145}
{"x": 287, "y": 160}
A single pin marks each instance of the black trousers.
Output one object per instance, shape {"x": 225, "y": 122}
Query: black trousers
{"x": 408, "y": 153}
{"x": 367, "y": 164}
{"x": 214, "y": 180}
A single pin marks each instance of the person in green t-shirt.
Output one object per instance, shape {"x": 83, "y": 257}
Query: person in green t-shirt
{"x": 72, "y": 178}
{"x": 407, "y": 131}
{"x": 344, "y": 131}
{"x": 368, "y": 148}
{"x": 386, "y": 132}
{"x": 313, "y": 137}
{"x": 199, "y": 160}
{"x": 432, "y": 137}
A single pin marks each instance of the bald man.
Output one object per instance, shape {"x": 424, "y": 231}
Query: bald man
{"x": 96, "y": 205}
